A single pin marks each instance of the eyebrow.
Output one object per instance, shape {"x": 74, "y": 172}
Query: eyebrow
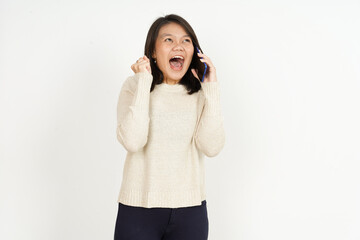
{"x": 168, "y": 34}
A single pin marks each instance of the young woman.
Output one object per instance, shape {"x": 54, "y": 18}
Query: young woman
{"x": 167, "y": 120}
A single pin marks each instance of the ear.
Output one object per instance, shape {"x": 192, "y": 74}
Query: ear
{"x": 153, "y": 55}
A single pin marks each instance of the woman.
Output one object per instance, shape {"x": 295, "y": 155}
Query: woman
{"x": 167, "y": 120}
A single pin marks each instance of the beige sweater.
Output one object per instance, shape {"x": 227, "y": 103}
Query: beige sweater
{"x": 166, "y": 134}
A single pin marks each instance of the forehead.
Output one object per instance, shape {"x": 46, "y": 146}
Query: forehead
{"x": 172, "y": 29}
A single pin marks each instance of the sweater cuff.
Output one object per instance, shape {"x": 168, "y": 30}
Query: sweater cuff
{"x": 212, "y": 98}
{"x": 142, "y": 94}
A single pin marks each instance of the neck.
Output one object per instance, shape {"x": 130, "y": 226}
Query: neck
{"x": 170, "y": 81}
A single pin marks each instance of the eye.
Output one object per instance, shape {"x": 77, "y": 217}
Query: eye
{"x": 167, "y": 39}
{"x": 187, "y": 40}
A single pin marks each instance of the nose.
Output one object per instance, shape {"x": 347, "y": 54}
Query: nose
{"x": 178, "y": 46}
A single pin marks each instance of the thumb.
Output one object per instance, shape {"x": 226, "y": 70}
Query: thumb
{"x": 195, "y": 74}
{"x": 149, "y": 69}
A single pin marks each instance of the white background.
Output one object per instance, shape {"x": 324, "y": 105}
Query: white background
{"x": 290, "y": 83}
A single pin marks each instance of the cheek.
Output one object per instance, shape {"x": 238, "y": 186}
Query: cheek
{"x": 190, "y": 57}
{"x": 163, "y": 62}
{"x": 191, "y": 52}
{"x": 163, "y": 55}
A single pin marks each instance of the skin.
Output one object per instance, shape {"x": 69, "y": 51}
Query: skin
{"x": 172, "y": 40}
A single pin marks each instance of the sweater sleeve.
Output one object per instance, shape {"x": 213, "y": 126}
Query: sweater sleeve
{"x": 133, "y": 111}
{"x": 210, "y": 133}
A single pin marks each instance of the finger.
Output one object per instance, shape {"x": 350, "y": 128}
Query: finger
{"x": 143, "y": 65}
{"x": 136, "y": 67}
{"x": 203, "y": 56}
{"x": 141, "y": 58}
{"x": 145, "y": 58}
{"x": 207, "y": 61}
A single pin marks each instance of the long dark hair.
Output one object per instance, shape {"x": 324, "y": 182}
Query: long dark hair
{"x": 191, "y": 83}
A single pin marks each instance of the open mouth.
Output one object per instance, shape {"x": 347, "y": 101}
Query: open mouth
{"x": 177, "y": 62}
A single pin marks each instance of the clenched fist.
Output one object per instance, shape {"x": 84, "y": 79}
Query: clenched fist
{"x": 141, "y": 65}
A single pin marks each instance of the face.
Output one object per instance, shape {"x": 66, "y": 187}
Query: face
{"x": 173, "y": 41}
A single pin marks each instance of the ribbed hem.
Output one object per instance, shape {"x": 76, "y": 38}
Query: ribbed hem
{"x": 212, "y": 98}
{"x": 144, "y": 81}
{"x": 164, "y": 199}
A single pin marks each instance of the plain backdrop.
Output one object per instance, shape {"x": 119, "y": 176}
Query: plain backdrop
{"x": 289, "y": 74}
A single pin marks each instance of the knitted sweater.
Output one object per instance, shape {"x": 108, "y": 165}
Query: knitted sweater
{"x": 166, "y": 133}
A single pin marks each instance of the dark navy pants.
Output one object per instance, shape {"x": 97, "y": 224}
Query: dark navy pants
{"x": 139, "y": 223}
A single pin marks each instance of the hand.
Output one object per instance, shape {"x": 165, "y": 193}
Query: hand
{"x": 211, "y": 77}
{"x": 142, "y": 65}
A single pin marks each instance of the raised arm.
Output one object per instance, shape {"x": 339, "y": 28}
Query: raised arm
{"x": 133, "y": 111}
{"x": 210, "y": 133}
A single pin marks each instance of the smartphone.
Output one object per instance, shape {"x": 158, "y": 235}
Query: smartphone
{"x": 203, "y": 75}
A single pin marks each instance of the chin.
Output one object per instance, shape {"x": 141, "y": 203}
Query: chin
{"x": 177, "y": 75}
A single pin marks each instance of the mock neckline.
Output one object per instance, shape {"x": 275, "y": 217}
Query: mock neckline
{"x": 171, "y": 87}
